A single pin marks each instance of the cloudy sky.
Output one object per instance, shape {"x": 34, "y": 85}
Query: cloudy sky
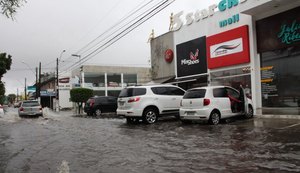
{"x": 42, "y": 29}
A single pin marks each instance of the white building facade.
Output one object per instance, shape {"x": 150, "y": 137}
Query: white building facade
{"x": 254, "y": 43}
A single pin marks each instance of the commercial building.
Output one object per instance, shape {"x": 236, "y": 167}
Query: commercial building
{"x": 109, "y": 80}
{"x": 254, "y": 43}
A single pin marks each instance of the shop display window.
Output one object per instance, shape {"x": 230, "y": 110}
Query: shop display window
{"x": 94, "y": 80}
{"x": 130, "y": 79}
{"x": 114, "y": 80}
{"x": 280, "y": 77}
{"x": 233, "y": 78}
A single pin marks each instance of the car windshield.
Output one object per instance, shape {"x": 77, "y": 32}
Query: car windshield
{"x": 195, "y": 93}
{"x": 30, "y": 104}
{"x": 129, "y": 92}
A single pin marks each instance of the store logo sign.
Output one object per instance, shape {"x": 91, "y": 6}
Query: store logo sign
{"x": 226, "y": 48}
{"x": 203, "y": 14}
{"x": 193, "y": 59}
{"x": 290, "y": 33}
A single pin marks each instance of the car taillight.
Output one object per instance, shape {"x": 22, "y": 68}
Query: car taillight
{"x": 180, "y": 103}
{"x": 206, "y": 102}
{"x": 21, "y": 109}
{"x": 135, "y": 99}
{"x": 92, "y": 102}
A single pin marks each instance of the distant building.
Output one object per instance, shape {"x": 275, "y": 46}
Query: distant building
{"x": 109, "y": 80}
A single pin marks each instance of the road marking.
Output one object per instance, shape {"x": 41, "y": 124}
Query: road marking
{"x": 289, "y": 126}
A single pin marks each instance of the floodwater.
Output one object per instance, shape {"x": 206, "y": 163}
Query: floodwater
{"x": 63, "y": 143}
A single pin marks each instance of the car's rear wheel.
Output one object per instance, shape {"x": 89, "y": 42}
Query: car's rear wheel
{"x": 98, "y": 112}
{"x": 150, "y": 116}
{"x": 214, "y": 118}
{"x": 250, "y": 113}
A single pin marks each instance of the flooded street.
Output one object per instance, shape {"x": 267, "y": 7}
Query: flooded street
{"x": 65, "y": 143}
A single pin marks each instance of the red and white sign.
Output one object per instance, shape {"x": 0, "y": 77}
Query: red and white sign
{"x": 228, "y": 48}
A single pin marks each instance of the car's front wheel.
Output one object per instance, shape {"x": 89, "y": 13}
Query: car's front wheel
{"x": 150, "y": 116}
{"x": 214, "y": 118}
{"x": 250, "y": 113}
{"x": 98, "y": 112}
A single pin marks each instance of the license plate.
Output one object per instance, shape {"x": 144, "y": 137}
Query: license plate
{"x": 190, "y": 113}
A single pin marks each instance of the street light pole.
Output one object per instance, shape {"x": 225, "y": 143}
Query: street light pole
{"x": 57, "y": 80}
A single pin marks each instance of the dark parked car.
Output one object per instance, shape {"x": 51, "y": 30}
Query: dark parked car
{"x": 100, "y": 104}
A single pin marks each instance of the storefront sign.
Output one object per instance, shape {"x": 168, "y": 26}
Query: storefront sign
{"x": 169, "y": 55}
{"x": 228, "y": 48}
{"x": 290, "y": 33}
{"x": 234, "y": 19}
{"x": 269, "y": 87}
{"x": 205, "y": 13}
{"x": 191, "y": 57}
{"x": 279, "y": 31}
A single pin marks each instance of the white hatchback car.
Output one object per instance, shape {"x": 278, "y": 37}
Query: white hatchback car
{"x": 149, "y": 102}
{"x": 214, "y": 103}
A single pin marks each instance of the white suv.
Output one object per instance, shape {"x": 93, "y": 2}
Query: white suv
{"x": 149, "y": 102}
{"x": 214, "y": 103}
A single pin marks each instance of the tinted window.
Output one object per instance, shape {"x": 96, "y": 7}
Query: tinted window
{"x": 220, "y": 92}
{"x": 160, "y": 90}
{"x": 176, "y": 91}
{"x": 195, "y": 93}
{"x": 129, "y": 92}
{"x": 30, "y": 104}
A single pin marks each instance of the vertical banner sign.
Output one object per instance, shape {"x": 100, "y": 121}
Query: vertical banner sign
{"x": 228, "y": 48}
{"x": 191, "y": 57}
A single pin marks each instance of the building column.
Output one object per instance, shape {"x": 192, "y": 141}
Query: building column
{"x": 122, "y": 80}
{"x": 82, "y": 79}
{"x": 105, "y": 81}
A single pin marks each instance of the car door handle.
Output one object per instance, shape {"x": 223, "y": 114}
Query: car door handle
{"x": 156, "y": 99}
{"x": 173, "y": 98}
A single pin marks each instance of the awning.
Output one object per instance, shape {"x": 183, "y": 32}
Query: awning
{"x": 202, "y": 78}
{"x": 162, "y": 80}
{"x": 257, "y": 8}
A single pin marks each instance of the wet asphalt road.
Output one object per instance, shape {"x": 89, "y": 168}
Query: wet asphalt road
{"x": 65, "y": 143}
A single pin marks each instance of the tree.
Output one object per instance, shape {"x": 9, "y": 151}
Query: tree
{"x": 11, "y": 98}
{"x": 5, "y": 63}
{"x": 80, "y": 95}
{"x": 9, "y": 7}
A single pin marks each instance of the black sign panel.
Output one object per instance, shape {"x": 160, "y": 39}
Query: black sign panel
{"x": 279, "y": 31}
{"x": 191, "y": 57}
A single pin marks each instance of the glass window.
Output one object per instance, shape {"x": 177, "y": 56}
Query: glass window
{"x": 94, "y": 80}
{"x": 220, "y": 92}
{"x": 129, "y": 92}
{"x": 280, "y": 77}
{"x": 159, "y": 90}
{"x": 30, "y": 104}
{"x": 176, "y": 91}
{"x": 130, "y": 79}
{"x": 113, "y": 80}
{"x": 195, "y": 93}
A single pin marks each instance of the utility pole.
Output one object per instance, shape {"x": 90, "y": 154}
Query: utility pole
{"x": 56, "y": 78}
{"x": 36, "y": 83}
{"x": 39, "y": 81}
{"x": 25, "y": 89}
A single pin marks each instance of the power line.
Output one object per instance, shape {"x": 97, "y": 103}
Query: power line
{"x": 132, "y": 12}
{"x": 120, "y": 35}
